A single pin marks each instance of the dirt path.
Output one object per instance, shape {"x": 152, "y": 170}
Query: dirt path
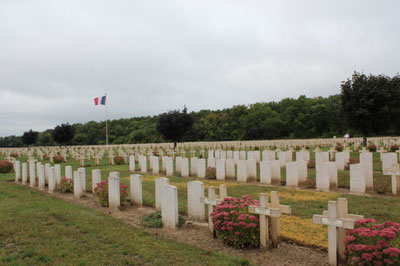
{"x": 196, "y": 234}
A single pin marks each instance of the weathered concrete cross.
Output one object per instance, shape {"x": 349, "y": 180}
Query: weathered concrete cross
{"x": 338, "y": 220}
{"x": 285, "y": 209}
{"x": 395, "y": 173}
{"x": 264, "y": 212}
{"x": 212, "y": 201}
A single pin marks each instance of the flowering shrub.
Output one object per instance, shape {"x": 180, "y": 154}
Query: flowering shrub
{"x": 339, "y": 147}
{"x": 394, "y": 148}
{"x": 67, "y": 185}
{"x": 14, "y": 155}
{"x": 371, "y": 147}
{"x": 211, "y": 173}
{"x": 373, "y": 244}
{"x": 351, "y": 161}
{"x": 235, "y": 225}
{"x": 119, "y": 160}
{"x": 101, "y": 190}
{"x": 6, "y": 166}
{"x": 58, "y": 159}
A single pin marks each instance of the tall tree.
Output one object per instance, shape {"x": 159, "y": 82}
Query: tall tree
{"x": 365, "y": 103}
{"x": 174, "y": 124}
{"x": 30, "y": 137}
{"x": 63, "y": 134}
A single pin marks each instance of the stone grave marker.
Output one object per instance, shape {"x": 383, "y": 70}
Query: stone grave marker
{"x": 24, "y": 173}
{"x": 32, "y": 174}
{"x": 159, "y": 184}
{"x": 42, "y": 180}
{"x": 169, "y": 207}
{"x": 96, "y": 178}
{"x": 193, "y": 166}
{"x": 136, "y": 189}
{"x": 357, "y": 178}
{"x": 114, "y": 194}
{"x": 220, "y": 169}
{"x": 264, "y": 212}
{"x": 242, "y": 171}
{"x": 201, "y": 168}
{"x": 195, "y": 191}
{"x": 78, "y": 191}
{"x": 52, "y": 180}
{"x": 292, "y": 174}
{"x": 230, "y": 168}
{"x": 332, "y": 219}
{"x": 132, "y": 163}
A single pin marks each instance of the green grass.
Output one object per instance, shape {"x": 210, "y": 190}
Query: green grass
{"x": 36, "y": 229}
{"x": 377, "y": 207}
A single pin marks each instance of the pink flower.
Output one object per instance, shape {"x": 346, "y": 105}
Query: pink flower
{"x": 367, "y": 256}
{"x": 388, "y": 261}
{"x": 365, "y": 221}
{"x": 377, "y": 254}
{"x": 382, "y": 244}
{"x": 349, "y": 239}
{"x": 253, "y": 218}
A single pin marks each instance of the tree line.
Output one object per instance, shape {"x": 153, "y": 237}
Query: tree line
{"x": 367, "y": 106}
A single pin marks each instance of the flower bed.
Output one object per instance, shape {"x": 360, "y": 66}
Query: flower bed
{"x": 235, "y": 225}
{"x": 101, "y": 190}
{"x": 211, "y": 173}
{"x": 119, "y": 160}
{"x": 6, "y": 166}
{"x": 58, "y": 159}
{"x": 67, "y": 185}
{"x": 373, "y": 244}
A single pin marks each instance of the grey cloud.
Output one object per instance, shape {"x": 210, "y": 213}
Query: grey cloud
{"x": 150, "y": 56}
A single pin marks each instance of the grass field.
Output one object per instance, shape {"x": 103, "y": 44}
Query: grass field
{"x": 298, "y": 226}
{"x": 38, "y": 229}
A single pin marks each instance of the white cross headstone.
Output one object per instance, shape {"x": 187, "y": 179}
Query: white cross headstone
{"x": 264, "y": 212}
{"x": 332, "y": 219}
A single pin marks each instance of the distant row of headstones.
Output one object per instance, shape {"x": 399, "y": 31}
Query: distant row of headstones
{"x": 245, "y": 168}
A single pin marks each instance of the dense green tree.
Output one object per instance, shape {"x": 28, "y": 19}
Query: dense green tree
{"x": 29, "y": 137}
{"x": 366, "y": 103}
{"x": 174, "y": 124}
{"x": 11, "y": 142}
{"x": 63, "y": 134}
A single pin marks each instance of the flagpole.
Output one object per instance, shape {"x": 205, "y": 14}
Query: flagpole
{"x": 105, "y": 106}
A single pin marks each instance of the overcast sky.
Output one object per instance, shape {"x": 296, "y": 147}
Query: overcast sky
{"x": 153, "y": 56}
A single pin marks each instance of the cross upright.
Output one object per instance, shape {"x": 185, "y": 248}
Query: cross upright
{"x": 336, "y": 218}
{"x": 264, "y": 212}
{"x": 212, "y": 201}
{"x": 275, "y": 220}
{"x": 395, "y": 173}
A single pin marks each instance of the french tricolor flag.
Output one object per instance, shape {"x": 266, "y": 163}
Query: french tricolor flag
{"x": 102, "y": 101}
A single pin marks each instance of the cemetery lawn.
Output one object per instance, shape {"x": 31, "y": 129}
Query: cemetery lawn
{"x": 39, "y": 229}
{"x": 297, "y": 227}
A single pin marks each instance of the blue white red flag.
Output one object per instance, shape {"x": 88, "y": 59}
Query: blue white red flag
{"x": 102, "y": 101}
